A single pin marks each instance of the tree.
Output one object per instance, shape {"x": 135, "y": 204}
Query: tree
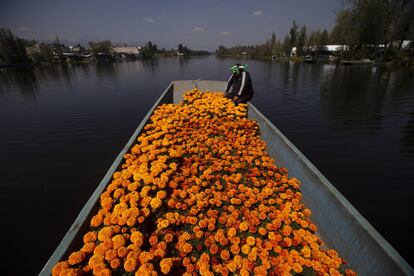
{"x": 101, "y": 47}
{"x": 343, "y": 32}
{"x": 324, "y": 38}
{"x": 301, "y": 40}
{"x": 12, "y": 48}
{"x": 273, "y": 44}
{"x": 286, "y": 46}
{"x": 181, "y": 48}
{"x": 293, "y": 34}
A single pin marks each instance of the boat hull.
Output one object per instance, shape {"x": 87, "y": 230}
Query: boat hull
{"x": 340, "y": 225}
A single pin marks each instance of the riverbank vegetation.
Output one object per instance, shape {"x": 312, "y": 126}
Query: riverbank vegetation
{"x": 381, "y": 30}
{"x": 17, "y": 51}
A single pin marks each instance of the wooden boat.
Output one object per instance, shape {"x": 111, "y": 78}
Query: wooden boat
{"x": 364, "y": 61}
{"x": 340, "y": 225}
{"x": 309, "y": 59}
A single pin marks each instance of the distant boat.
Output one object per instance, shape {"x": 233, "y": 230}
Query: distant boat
{"x": 309, "y": 59}
{"x": 357, "y": 62}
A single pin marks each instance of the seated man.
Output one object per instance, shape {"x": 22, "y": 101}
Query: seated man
{"x": 239, "y": 87}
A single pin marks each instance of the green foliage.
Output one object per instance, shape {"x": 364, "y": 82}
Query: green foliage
{"x": 101, "y": 47}
{"x": 12, "y": 48}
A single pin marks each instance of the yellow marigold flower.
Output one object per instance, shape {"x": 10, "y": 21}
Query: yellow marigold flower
{"x": 231, "y": 232}
{"x": 166, "y": 265}
{"x": 297, "y": 268}
{"x": 137, "y": 238}
{"x": 306, "y": 252}
{"x": 262, "y": 231}
{"x": 244, "y": 226}
{"x": 245, "y": 249}
{"x": 155, "y": 203}
{"x": 251, "y": 240}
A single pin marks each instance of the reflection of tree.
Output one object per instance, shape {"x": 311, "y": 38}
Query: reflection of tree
{"x": 355, "y": 95}
{"x": 105, "y": 70}
{"x": 23, "y": 78}
{"x": 407, "y": 136}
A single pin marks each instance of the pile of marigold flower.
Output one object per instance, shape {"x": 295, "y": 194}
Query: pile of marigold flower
{"x": 199, "y": 194}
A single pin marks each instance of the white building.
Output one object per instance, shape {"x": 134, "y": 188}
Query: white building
{"x": 127, "y": 50}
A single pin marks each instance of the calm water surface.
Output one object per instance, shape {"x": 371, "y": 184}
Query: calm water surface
{"x": 61, "y": 129}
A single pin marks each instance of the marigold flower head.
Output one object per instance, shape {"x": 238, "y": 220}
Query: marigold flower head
{"x": 244, "y": 226}
{"x": 59, "y": 267}
{"x": 165, "y": 265}
{"x": 251, "y": 240}
{"x": 130, "y": 265}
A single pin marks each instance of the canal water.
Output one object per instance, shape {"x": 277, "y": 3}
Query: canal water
{"x": 61, "y": 129}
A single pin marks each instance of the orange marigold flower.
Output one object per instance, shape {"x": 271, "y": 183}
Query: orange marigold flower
{"x": 286, "y": 230}
{"x": 59, "y": 267}
{"x": 262, "y": 231}
{"x": 76, "y": 258}
{"x": 231, "y": 232}
{"x": 89, "y": 237}
{"x": 96, "y": 220}
{"x": 214, "y": 249}
{"x": 225, "y": 254}
{"x": 130, "y": 265}
{"x": 244, "y": 226}
{"x": 95, "y": 260}
{"x": 115, "y": 263}
{"x": 245, "y": 249}
{"x": 88, "y": 248}
{"x": 118, "y": 241}
{"x": 111, "y": 254}
{"x": 155, "y": 203}
{"x": 166, "y": 265}
{"x": 251, "y": 240}
{"x": 168, "y": 237}
{"x": 137, "y": 238}
{"x": 122, "y": 252}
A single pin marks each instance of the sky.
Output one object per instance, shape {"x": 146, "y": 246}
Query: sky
{"x": 198, "y": 24}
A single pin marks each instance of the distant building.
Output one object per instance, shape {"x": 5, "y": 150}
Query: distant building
{"x": 76, "y": 48}
{"x": 127, "y": 50}
{"x": 322, "y": 49}
{"x": 30, "y": 51}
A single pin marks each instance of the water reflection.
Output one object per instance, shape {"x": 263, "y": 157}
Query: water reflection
{"x": 23, "y": 78}
{"x": 324, "y": 109}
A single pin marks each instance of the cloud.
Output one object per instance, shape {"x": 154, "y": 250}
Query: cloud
{"x": 225, "y": 33}
{"x": 257, "y": 13}
{"x": 149, "y": 20}
{"x": 22, "y": 29}
{"x": 198, "y": 29}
